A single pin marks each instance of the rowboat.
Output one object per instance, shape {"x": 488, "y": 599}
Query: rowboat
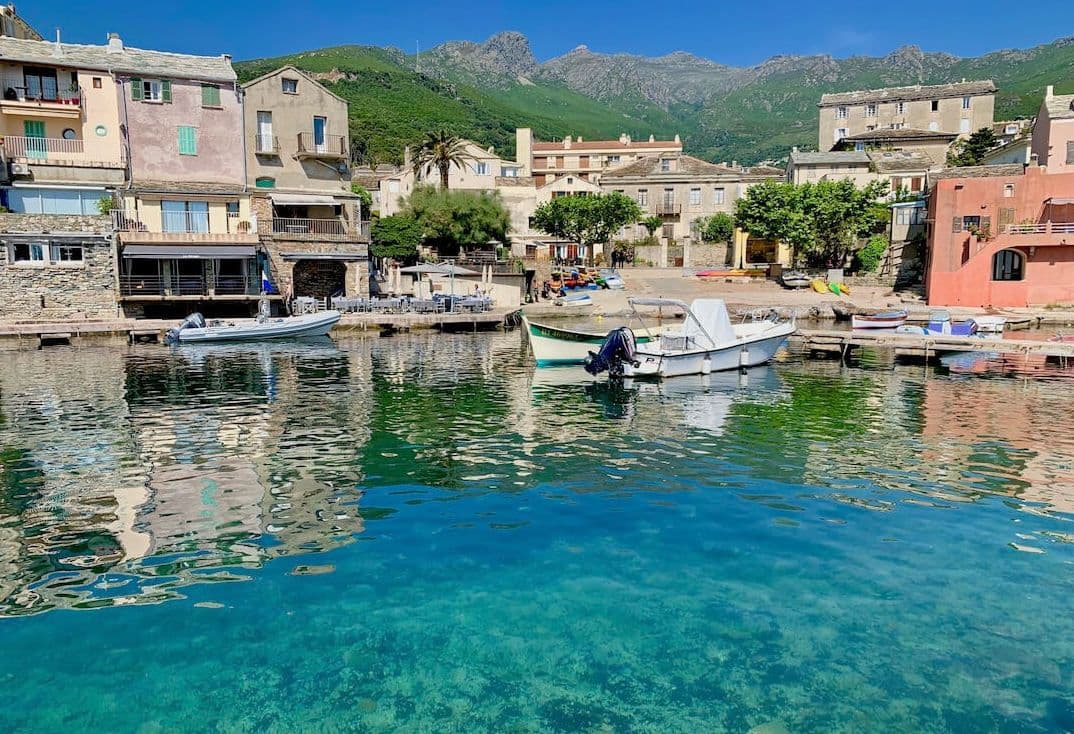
{"x": 575, "y": 299}
{"x": 794, "y": 279}
{"x": 554, "y": 346}
{"x": 706, "y": 342}
{"x": 885, "y": 320}
{"x": 195, "y": 329}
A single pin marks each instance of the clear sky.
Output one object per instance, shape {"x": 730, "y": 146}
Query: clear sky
{"x": 737, "y": 33}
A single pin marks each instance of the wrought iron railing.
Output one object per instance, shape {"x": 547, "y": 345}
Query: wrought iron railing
{"x": 334, "y": 146}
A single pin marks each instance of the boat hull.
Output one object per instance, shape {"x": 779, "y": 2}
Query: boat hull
{"x": 295, "y": 327}
{"x": 864, "y": 321}
{"x": 552, "y": 346}
{"x": 745, "y": 353}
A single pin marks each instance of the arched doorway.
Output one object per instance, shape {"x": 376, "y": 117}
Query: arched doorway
{"x": 319, "y": 278}
{"x": 1008, "y": 265}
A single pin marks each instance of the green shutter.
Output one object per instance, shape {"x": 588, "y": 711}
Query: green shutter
{"x": 136, "y": 89}
{"x": 210, "y": 95}
{"x": 166, "y": 91}
{"x": 188, "y": 142}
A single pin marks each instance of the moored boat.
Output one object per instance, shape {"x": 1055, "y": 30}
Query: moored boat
{"x": 883, "y": 320}
{"x": 575, "y": 299}
{"x": 195, "y": 329}
{"x": 795, "y": 279}
{"x": 940, "y": 324}
{"x": 552, "y": 345}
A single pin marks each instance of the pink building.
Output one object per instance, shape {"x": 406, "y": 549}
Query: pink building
{"x": 1001, "y": 236}
{"x": 1053, "y": 132}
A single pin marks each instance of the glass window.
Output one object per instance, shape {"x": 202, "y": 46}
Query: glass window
{"x": 900, "y": 108}
{"x": 66, "y": 253}
{"x": 665, "y": 165}
{"x": 1008, "y": 191}
{"x": 482, "y": 168}
{"x": 184, "y": 216}
{"x": 841, "y": 113}
{"x": 290, "y": 86}
{"x": 1010, "y": 130}
{"x": 152, "y": 90}
{"x": 613, "y": 159}
{"x": 643, "y": 197}
{"x": 28, "y": 252}
{"x": 965, "y": 103}
{"x": 935, "y": 105}
{"x": 870, "y": 110}
{"x": 509, "y": 172}
{"x": 841, "y": 132}
{"x": 28, "y": 200}
{"x": 718, "y": 195}
{"x": 1007, "y": 265}
{"x": 695, "y": 197}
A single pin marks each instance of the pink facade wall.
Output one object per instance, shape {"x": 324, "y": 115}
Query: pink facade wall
{"x": 153, "y": 130}
{"x": 960, "y": 265}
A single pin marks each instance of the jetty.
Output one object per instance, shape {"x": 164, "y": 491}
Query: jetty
{"x": 921, "y": 346}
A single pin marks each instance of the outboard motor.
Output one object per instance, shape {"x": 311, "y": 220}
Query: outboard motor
{"x": 618, "y": 347}
{"x": 193, "y": 321}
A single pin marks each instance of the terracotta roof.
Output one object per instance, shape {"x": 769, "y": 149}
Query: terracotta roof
{"x": 127, "y": 61}
{"x": 687, "y": 166}
{"x": 182, "y": 187}
{"x": 905, "y": 133}
{"x": 808, "y": 158}
{"x": 1004, "y": 169}
{"x": 909, "y": 94}
{"x": 607, "y": 145}
{"x": 1060, "y": 106}
{"x": 763, "y": 171}
{"x": 899, "y": 161}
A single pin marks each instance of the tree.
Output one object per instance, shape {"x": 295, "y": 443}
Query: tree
{"x": 364, "y": 197}
{"x": 439, "y": 151}
{"x": 651, "y": 224}
{"x": 970, "y": 151}
{"x": 587, "y": 220}
{"x": 396, "y": 237}
{"x": 451, "y": 220}
{"x": 720, "y": 227}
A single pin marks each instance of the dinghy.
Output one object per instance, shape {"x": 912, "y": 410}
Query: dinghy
{"x": 794, "y": 279}
{"x": 552, "y": 345}
{"x": 195, "y": 329}
{"x": 884, "y": 320}
{"x": 575, "y": 300}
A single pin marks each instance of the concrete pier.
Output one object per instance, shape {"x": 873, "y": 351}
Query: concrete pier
{"x": 921, "y": 346}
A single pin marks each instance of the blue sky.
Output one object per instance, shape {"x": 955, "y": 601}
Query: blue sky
{"x": 727, "y": 32}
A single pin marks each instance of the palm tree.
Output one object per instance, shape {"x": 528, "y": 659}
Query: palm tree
{"x": 440, "y": 150}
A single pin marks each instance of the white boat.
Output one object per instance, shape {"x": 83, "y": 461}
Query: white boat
{"x": 552, "y": 345}
{"x": 575, "y": 299}
{"x": 990, "y": 324}
{"x": 195, "y": 329}
{"x": 795, "y": 279}
{"x": 885, "y": 320}
{"x": 706, "y": 342}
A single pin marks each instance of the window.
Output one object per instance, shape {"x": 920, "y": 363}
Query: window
{"x": 265, "y": 182}
{"x": 907, "y": 215}
{"x": 643, "y": 197}
{"x": 188, "y": 140}
{"x": 935, "y": 105}
{"x": 30, "y": 200}
{"x": 841, "y": 113}
{"x": 870, "y": 128}
{"x": 96, "y": 82}
{"x": 264, "y": 141}
{"x": 1010, "y": 130}
{"x": 1007, "y": 265}
{"x": 290, "y": 86}
{"x": 870, "y": 110}
{"x": 840, "y": 133}
{"x": 971, "y": 222}
{"x": 67, "y": 253}
{"x": 28, "y": 252}
{"x": 916, "y": 184}
{"x": 185, "y": 216}
{"x": 859, "y": 146}
{"x": 964, "y": 125}
{"x": 965, "y": 103}
{"x": 151, "y": 90}
{"x": 570, "y": 180}
{"x": 695, "y": 197}
{"x": 393, "y": 187}
{"x": 900, "y": 108}
{"x": 665, "y": 165}
{"x": 482, "y": 168}
{"x": 210, "y": 95}
{"x": 669, "y": 231}
{"x": 551, "y": 163}
{"x": 613, "y": 159}
{"x": 898, "y": 125}
{"x": 1008, "y": 191}
{"x": 717, "y": 195}
{"x": 509, "y": 172}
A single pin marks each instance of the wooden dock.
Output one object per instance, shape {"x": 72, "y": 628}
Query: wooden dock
{"x": 921, "y": 346}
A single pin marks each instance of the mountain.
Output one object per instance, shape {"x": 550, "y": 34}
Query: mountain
{"x": 485, "y": 90}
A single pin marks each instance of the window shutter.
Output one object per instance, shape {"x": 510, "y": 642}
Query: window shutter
{"x": 986, "y": 224}
{"x": 956, "y": 225}
{"x": 166, "y": 91}
{"x": 210, "y": 95}
{"x": 188, "y": 143}
{"x": 136, "y": 90}
{"x": 1070, "y": 152}
{"x": 1006, "y": 216}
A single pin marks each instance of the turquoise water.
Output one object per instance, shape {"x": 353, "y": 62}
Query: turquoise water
{"x": 421, "y": 534}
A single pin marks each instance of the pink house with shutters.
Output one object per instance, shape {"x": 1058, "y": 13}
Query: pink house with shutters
{"x": 1053, "y": 132}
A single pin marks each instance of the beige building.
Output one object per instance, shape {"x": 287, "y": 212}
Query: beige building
{"x": 297, "y": 155}
{"x": 1053, "y": 132}
{"x": 587, "y": 160}
{"x": 13, "y": 26}
{"x": 959, "y": 108}
{"x": 901, "y": 169}
{"x": 933, "y": 145}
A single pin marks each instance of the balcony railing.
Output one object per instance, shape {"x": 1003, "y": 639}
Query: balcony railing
{"x": 187, "y": 285}
{"x": 303, "y": 226}
{"x": 38, "y": 89}
{"x": 16, "y": 146}
{"x": 182, "y": 223}
{"x": 329, "y": 146}
{"x": 1040, "y": 228}
{"x": 266, "y": 144}
{"x": 668, "y": 208}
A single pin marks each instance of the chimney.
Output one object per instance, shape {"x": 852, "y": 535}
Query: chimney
{"x": 794, "y": 149}
{"x": 115, "y": 43}
{"x": 677, "y": 139}
{"x": 652, "y": 138}
{"x": 1034, "y": 159}
{"x": 57, "y": 50}
{"x": 734, "y": 165}
{"x": 1049, "y": 92}
{"x": 567, "y": 142}
{"x": 624, "y": 138}
{"x": 579, "y": 138}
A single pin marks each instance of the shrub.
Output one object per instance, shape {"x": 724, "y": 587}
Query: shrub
{"x": 871, "y": 253}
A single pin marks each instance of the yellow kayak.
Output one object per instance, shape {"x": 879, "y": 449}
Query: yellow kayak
{"x": 818, "y": 285}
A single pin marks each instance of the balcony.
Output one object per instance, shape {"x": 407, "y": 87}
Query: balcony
{"x": 156, "y": 287}
{"x": 266, "y": 145}
{"x": 668, "y": 209}
{"x": 1037, "y": 234}
{"x": 326, "y": 147}
{"x": 303, "y": 228}
{"x": 38, "y": 95}
{"x": 41, "y": 149}
{"x": 175, "y": 227}
{"x": 1040, "y": 228}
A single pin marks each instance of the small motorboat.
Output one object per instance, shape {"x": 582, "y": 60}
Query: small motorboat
{"x": 552, "y": 345}
{"x": 195, "y": 329}
{"x": 940, "y": 324}
{"x": 795, "y": 279}
{"x": 990, "y": 324}
{"x": 706, "y": 342}
{"x": 575, "y": 300}
{"x": 884, "y": 320}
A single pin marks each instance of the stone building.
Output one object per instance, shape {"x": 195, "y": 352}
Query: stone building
{"x": 933, "y": 145}
{"x": 297, "y": 155}
{"x": 584, "y": 159}
{"x": 960, "y": 108}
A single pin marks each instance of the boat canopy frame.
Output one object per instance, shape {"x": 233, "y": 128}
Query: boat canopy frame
{"x": 672, "y": 303}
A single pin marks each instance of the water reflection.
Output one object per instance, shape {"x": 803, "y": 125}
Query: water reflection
{"x": 127, "y": 475}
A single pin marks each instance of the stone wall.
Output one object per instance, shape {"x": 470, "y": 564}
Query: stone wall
{"x": 58, "y": 290}
{"x": 707, "y": 255}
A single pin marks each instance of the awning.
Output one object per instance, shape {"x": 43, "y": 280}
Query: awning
{"x": 185, "y": 252}
{"x": 344, "y": 256}
{"x": 304, "y": 200}
{"x": 1059, "y": 202}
